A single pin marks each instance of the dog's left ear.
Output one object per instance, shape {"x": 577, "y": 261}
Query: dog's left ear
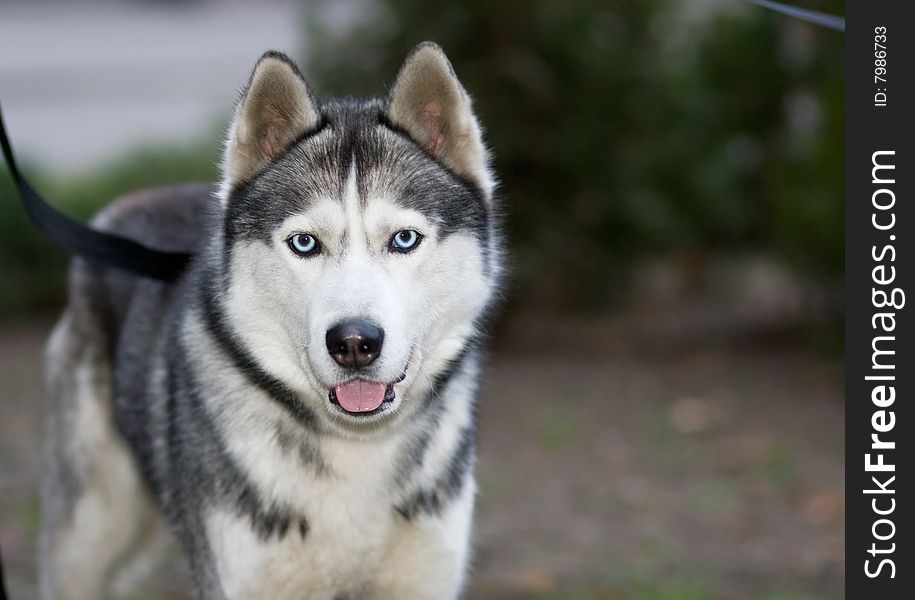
{"x": 429, "y": 103}
{"x": 275, "y": 110}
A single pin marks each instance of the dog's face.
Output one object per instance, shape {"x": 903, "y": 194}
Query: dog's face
{"x": 359, "y": 237}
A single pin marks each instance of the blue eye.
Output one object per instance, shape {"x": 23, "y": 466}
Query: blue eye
{"x": 304, "y": 244}
{"x": 405, "y": 240}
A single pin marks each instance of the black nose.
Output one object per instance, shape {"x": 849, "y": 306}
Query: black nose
{"x": 355, "y": 343}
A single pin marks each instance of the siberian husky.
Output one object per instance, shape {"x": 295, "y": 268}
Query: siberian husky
{"x": 298, "y": 408}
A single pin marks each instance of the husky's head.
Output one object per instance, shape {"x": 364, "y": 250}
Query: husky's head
{"x": 359, "y": 236}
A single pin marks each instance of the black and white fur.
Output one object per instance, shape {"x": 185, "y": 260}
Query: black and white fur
{"x": 204, "y": 404}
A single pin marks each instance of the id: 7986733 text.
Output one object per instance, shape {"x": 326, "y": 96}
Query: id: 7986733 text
{"x": 880, "y": 76}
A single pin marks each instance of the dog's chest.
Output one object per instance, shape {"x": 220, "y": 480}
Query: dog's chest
{"x": 336, "y": 558}
{"x": 347, "y": 519}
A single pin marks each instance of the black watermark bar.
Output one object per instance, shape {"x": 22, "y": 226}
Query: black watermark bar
{"x": 879, "y": 260}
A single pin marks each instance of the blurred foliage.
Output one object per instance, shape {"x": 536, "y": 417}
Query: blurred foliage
{"x": 32, "y": 269}
{"x": 631, "y": 127}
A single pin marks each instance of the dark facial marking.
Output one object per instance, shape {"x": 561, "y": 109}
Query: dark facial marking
{"x": 241, "y": 356}
{"x": 387, "y": 162}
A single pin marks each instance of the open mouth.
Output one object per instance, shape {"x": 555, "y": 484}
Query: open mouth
{"x": 362, "y": 398}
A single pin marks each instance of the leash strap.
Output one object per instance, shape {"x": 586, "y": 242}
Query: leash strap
{"x": 82, "y": 240}
{"x": 2, "y": 582}
{"x": 811, "y": 16}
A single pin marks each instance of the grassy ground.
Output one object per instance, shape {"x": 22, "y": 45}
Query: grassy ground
{"x": 611, "y": 467}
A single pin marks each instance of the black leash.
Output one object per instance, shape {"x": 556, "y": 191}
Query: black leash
{"x": 82, "y": 240}
{"x": 2, "y": 583}
{"x": 811, "y": 16}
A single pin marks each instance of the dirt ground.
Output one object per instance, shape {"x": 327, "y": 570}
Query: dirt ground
{"x": 610, "y": 467}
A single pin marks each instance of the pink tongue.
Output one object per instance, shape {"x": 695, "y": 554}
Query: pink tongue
{"x": 359, "y": 395}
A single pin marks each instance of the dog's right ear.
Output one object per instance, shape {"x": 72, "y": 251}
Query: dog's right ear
{"x": 276, "y": 108}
